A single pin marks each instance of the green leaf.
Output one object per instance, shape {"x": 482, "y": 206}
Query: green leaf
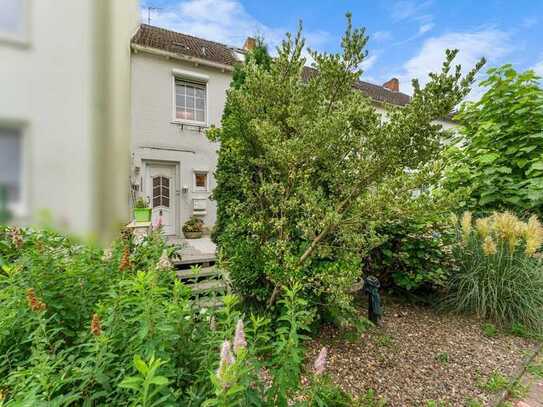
{"x": 131, "y": 382}
{"x": 488, "y": 158}
{"x": 538, "y": 165}
{"x": 159, "y": 381}
{"x": 140, "y": 365}
{"x": 528, "y": 149}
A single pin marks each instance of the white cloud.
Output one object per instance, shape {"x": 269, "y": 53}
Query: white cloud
{"x": 490, "y": 43}
{"x": 408, "y": 9}
{"x": 538, "y": 68}
{"x": 368, "y": 62}
{"x": 381, "y": 36}
{"x": 425, "y": 28}
{"x": 225, "y": 21}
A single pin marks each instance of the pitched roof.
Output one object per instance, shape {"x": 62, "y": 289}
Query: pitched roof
{"x": 177, "y": 43}
{"x": 376, "y": 92}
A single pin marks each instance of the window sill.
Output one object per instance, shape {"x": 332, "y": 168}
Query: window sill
{"x": 190, "y": 123}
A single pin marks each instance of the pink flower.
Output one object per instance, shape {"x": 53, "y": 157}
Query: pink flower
{"x": 320, "y": 362}
{"x": 239, "y": 337}
{"x": 226, "y": 358}
{"x": 158, "y": 224}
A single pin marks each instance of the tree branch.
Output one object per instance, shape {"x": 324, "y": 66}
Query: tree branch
{"x": 341, "y": 209}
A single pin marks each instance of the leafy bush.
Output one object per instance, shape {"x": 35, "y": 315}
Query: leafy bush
{"x": 414, "y": 251}
{"x": 499, "y": 272}
{"x": 74, "y": 316}
{"x": 498, "y": 155}
{"x": 84, "y": 326}
{"x": 303, "y": 157}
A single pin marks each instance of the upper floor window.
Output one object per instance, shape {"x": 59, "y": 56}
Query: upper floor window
{"x": 190, "y": 101}
{"x": 11, "y": 166}
{"x": 14, "y": 20}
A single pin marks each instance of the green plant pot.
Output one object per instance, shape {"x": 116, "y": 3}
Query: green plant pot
{"x": 192, "y": 235}
{"x": 142, "y": 214}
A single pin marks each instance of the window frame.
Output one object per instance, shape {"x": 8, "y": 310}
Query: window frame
{"x": 190, "y": 78}
{"x": 23, "y": 38}
{"x": 20, "y": 208}
{"x": 162, "y": 187}
{"x": 196, "y": 188}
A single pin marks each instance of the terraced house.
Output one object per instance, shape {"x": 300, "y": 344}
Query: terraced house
{"x": 179, "y": 85}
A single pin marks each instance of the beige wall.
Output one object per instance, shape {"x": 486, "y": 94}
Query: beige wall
{"x": 52, "y": 88}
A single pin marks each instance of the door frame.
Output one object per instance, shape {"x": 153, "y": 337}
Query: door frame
{"x": 176, "y": 197}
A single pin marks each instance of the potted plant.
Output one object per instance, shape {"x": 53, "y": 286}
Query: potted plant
{"x": 142, "y": 212}
{"x": 193, "y": 228}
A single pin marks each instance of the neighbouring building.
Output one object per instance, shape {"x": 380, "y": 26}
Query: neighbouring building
{"x": 65, "y": 110}
{"x": 179, "y": 85}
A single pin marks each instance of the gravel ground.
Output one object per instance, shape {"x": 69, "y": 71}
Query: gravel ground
{"x": 420, "y": 355}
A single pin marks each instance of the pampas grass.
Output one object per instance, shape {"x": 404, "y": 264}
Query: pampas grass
{"x": 499, "y": 273}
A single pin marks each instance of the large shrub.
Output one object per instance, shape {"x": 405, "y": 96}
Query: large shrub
{"x": 500, "y": 271}
{"x": 304, "y": 158}
{"x": 499, "y": 153}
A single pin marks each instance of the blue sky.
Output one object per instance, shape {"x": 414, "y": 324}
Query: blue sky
{"x": 407, "y": 37}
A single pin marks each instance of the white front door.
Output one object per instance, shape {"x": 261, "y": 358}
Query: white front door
{"x": 160, "y": 190}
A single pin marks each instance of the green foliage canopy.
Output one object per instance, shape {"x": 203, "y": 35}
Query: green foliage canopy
{"x": 304, "y": 163}
{"x": 499, "y": 155}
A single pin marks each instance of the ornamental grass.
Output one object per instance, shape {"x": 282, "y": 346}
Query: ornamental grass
{"x": 499, "y": 272}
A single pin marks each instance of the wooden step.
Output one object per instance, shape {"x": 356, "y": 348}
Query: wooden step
{"x": 210, "y": 302}
{"x": 208, "y": 286}
{"x": 193, "y": 259}
{"x": 202, "y": 272}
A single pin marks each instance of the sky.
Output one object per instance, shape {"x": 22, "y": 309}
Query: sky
{"x": 407, "y": 38}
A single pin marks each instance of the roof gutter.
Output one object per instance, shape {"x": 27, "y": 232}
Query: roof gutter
{"x": 197, "y": 61}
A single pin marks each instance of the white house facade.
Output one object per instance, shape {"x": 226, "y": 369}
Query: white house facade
{"x": 64, "y": 111}
{"x": 175, "y": 98}
{"x": 179, "y": 86}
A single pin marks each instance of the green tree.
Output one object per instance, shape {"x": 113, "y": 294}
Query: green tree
{"x": 499, "y": 154}
{"x": 226, "y": 175}
{"x": 304, "y": 164}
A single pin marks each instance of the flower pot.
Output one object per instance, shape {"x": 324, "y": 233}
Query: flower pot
{"x": 193, "y": 235}
{"x": 142, "y": 214}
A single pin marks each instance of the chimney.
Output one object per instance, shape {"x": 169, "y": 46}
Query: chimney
{"x": 250, "y": 44}
{"x": 393, "y": 85}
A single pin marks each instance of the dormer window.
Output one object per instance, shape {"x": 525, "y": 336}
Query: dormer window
{"x": 190, "y": 101}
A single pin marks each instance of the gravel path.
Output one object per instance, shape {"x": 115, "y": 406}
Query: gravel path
{"x": 533, "y": 380}
{"x": 420, "y": 355}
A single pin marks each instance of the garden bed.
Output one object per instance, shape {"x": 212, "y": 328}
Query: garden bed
{"x": 419, "y": 355}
